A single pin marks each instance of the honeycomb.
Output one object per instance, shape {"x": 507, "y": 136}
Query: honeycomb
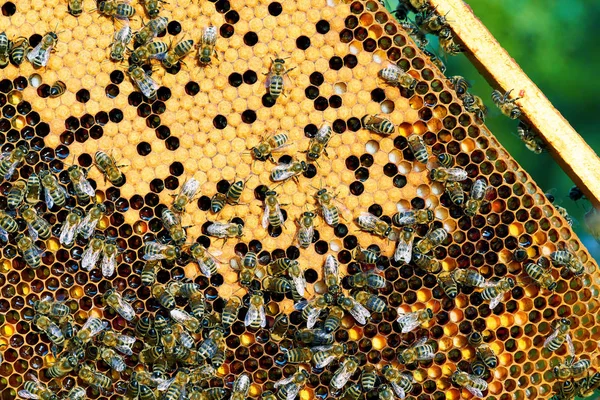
{"x": 204, "y": 122}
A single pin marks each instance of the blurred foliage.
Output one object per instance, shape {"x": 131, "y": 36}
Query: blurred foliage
{"x": 554, "y": 43}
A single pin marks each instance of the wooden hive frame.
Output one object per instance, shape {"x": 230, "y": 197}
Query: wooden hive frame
{"x": 203, "y": 124}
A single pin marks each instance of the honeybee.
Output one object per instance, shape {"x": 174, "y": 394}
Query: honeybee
{"x": 152, "y": 7}
{"x": 435, "y": 60}
{"x": 561, "y": 210}
{"x": 433, "y": 239}
{"x": 34, "y": 389}
{"x": 313, "y": 337}
{"x": 202, "y": 373}
{"x": 366, "y": 256}
{"x": 475, "y": 385}
{"x": 342, "y": 375}
{"x": 560, "y": 336}
{"x": 469, "y": 277}
{"x": 90, "y": 328}
{"x": 330, "y": 211}
{"x": 331, "y": 275}
{"x": 143, "y": 81}
{"x": 163, "y": 296}
{"x": 475, "y": 105}
{"x": 531, "y": 140}
{"x": 506, "y": 105}
{"x": 149, "y": 51}
{"x": 112, "y": 358}
{"x": 275, "y": 76}
{"x": 115, "y": 300}
{"x": 116, "y": 9}
{"x": 224, "y": 230}
{"x": 121, "y": 343}
{"x": 187, "y": 290}
{"x": 108, "y": 265}
{"x": 357, "y": 310}
{"x": 52, "y": 308}
{"x": 576, "y": 194}
{"x": 298, "y": 355}
{"x": 248, "y": 268}
{"x": 19, "y": 50}
{"x": 297, "y": 277}
{"x": 64, "y": 365}
{"x": 568, "y": 260}
{"x": 401, "y": 382}
{"x": 448, "y": 284}
{"x": 241, "y": 387}
{"x": 410, "y": 321}
{"x": 395, "y": 76}
{"x": 415, "y": 34}
{"x": 264, "y": 149}
{"x": 291, "y": 386}
{"x": 369, "y": 279}
{"x": 45, "y": 324}
{"x": 418, "y": 148}
{"x": 587, "y": 385}
{"x": 158, "y": 251}
{"x": 478, "y": 191}
{"x": 455, "y": 192}
{"x": 323, "y": 358}
{"x": 88, "y": 224}
{"x": 280, "y": 327}
{"x": 256, "y": 317}
{"x": 33, "y": 189}
{"x": 190, "y": 322}
{"x": 447, "y": 42}
{"x": 475, "y": 339}
{"x": 77, "y": 393}
{"x": 151, "y": 354}
{"x": 91, "y": 253}
{"x": 172, "y": 223}
{"x": 235, "y": 192}
{"x": 487, "y": 355}
{"x": 333, "y": 320}
{"x": 16, "y": 194}
{"x": 57, "y": 89}
{"x": 209, "y": 347}
{"x": 186, "y": 195}
{"x": 318, "y": 143}
{"x": 311, "y": 309}
{"x": 54, "y": 193}
{"x": 150, "y": 30}
{"x": 285, "y": 171}
{"x": 378, "y": 125}
{"x": 496, "y": 290}
{"x": 5, "y": 48}
{"x": 368, "y": 377}
{"x": 405, "y": 245}
{"x": 426, "y": 262}
{"x": 75, "y": 7}
{"x": 107, "y": 165}
{"x": 430, "y": 21}
{"x": 10, "y": 160}
{"x": 93, "y": 378}
{"x": 306, "y": 232}
{"x": 370, "y": 301}
{"x": 541, "y": 275}
{"x": 460, "y": 84}
{"x": 478, "y": 367}
{"x": 7, "y": 225}
{"x": 207, "y": 263}
{"x": 207, "y": 46}
{"x": 82, "y": 187}
{"x": 443, "y": 175}
{"x": 412, "y": 217}
{"x": 40, "y": 54}
{"x": 370, "y": 223}
{"x": 36, "y": 225}
{"x": 177, "y": 53}
{"x": 272, "y": 215}
{"x": 217, "y": 202}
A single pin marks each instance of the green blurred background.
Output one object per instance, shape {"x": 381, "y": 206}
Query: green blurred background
{"x": 554, "y": 42}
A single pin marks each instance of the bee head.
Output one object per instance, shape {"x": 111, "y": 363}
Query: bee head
{"x": 429, "y": 312}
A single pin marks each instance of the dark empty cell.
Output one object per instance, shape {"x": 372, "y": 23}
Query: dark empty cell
{"x": 135, "y": 99}
{"x": 157, "y": 185}
{"x": 274, "y": 232}
{"x": 153, "y": 121}
{"x": 67, "y": 138}
{"x": 250, "y": 77}
{"x": 336, "y": 63}
{"x": 82, "y": 96}
{"x": 352, "y": 163}
{"x": 35, "y": 39}
{"x": 174, "y": 28}
{"x": 112, "y": 91}
{"x": 87, "y": 121}
{"x": 346, "y": 36}
{"x": 5, "y": 85}
{"x": 13, "y": 136}
{"x": 117, "y": 76}
{"x": 316, "y": 78}
{"x": 311, "y": 171}
{"x": 163, "y": 132}
{"x": 376, "y": 210}
{"x": 101, "y": 118}
{"x": 370, "y": 45}
{"x": 192, "y": 88}
{"x": 144, "y": 110}
{"x": 171, "y": 183}
{"x": 158, "y": 107}
{"x": 204, "y": 203}
{"x": 378, "y": 95}
{"x": 321, "y": 103}
{"x": 357, "y": 188}
{"x": 220, "y": 122}
{"x": 174, "y": 69}
{"x": 303, "y": 42}
{"x": 260, "y": 192}
{"x": 222, "y": 6}
{"x": 115, "y": 115}
{"x": 354, "y": 124}
{"x": 42, "y": 130}
{"x": 172, "y": 143}
{"x": 351, "y": 22}
{"x": 235, "y": 79}
{"x": 335, "y": 101}
{"x": 144, "y": 148}
{"x": 27, "y": 133}
{"x": 250, "y": 38}
{"x": 275, "y": 8}
{"x": 361, "y": 34}
{"x": 163, "y": 93}
{"x": 399, "y": 181}
{"x": 390, "y": 169}
{"x": 366, "y": 160}
{"x": 96, "y": 132}
{"x": 322, "y": 26}
{"x": 62, "y": 152}
{"x": 81, "y": 135}
{"x": 362, "y": 174}
{"x": 4, "y": 125}
{"x": 43, "y": 91}
{"x": 226, "y": 31}
{"x": 9, "y": 111}
{"x": 321, "y": 247}
{"x": 232, "y": 17}
{"x": 339, "y": 126}
{"x": 311, "y": 92}
{"x": 285, "y": 159}
{"x": 310, "y": 130}
{"x": 176, "y": 169}
{"x": 350, "y": 61}
{"x": 249, "y": 116}
{"x": 9, "y": 9}
{"x": 417, "y": 203}
{"x": 20, "y": 83}
{"x": 268, "y": 101}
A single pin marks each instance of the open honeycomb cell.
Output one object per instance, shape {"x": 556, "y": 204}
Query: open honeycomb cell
{"x": 203, "y": 123}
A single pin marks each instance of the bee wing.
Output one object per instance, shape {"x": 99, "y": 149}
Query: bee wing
{"x": 496, "y": 300}
{"x": 89, "y": 258}
{"x": 341, "y": 377}
{"x": 164, "y": 385}
{"x": 265, "y": 220}
{"x": 116, "y": 362}
{"x": 325, "y": 361}
{"x": 251, "y": 315}
{"x": 204, "y": 268}
{"x": 299, "y": 282}
{"x": 284, "y": 381}
{"x": 108, "y": 264}
{"x": 408, "y": 322}
{"x": 367, "y": 220}
{"x": 123, "y": 349}
{"x": 328, "y": 215}
{"x": 11, "y": 170}
{"x": 209, "y": 35}
{"x": 285, "y": 172}
{"x": 3, "y": 235}
{"x": 86, "y": 187}
{"x": 27, "y": 394}
{"x": 35, "y": 52}
{"x": 570, "y": 345}
{"x": 293, "y": 392}
{"x": 55, "y": 330}
{"x": 473, "y": 391}
{"x": 457, "y": 174}
{"x": 190, "y": 188}
{"x": 127, "y": 309}
{"x": 301, "y": 305}
{"x": 123, "y": 34}
{"x": 406, "y": 219}
{"x": 420, "y": 341}
{"x": 403, "y": 251}
{"x": 32, "y": 232}
{"x": 331, "y": 266}
{"x": 279, "y": 213}
{"x": 312, "y": 318}
{"x": 67, "y": 234}
{"x": 180, "y": 316}
{"x": 262, "y": 316}
{"x": 148, "y": 87}
{"x": 359, "y": 312}
{"x": 344, "y": 211}
{"x": 398, "y": 390}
